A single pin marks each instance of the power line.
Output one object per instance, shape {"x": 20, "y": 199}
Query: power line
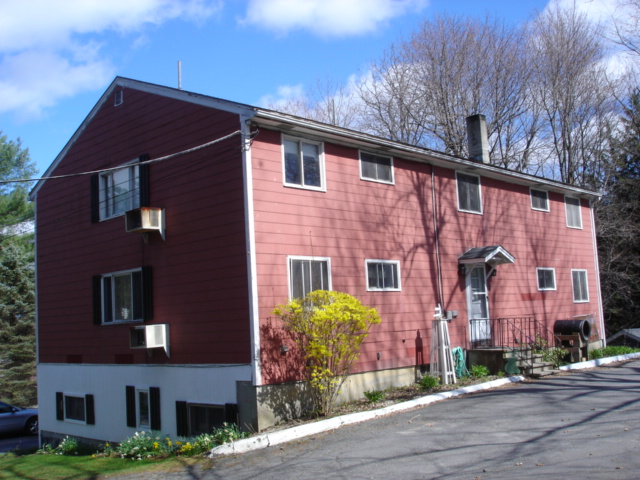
{"x": 154, "y": 160}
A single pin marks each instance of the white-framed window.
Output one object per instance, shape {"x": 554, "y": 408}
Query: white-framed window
{"x": 119, "y": 191}
{"x": 303, "y": 163}
{"x": 143, "y": 411}
{"x": 383, "y": 275}
{"x": 75, "y": 408}
{"x": 539, "y": 200}
{"x": 376, "y": 168}
{"x": 573, "y": 210}
{"x": 546, "y": 278}
{"x": 123, "y": 297}
{"x": 143, "y": 407}
{"x": 307, "y": 274}
{"x": 469, "y": 196}
{"x": 580, "y": 286}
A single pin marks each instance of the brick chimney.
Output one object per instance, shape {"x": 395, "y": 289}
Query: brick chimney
{"x": 477, "y": 139}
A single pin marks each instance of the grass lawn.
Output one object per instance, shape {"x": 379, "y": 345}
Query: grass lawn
{"x": 57, "y": 467}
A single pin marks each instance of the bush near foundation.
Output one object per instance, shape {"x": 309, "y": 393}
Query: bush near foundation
{"x": 329, "y": 328}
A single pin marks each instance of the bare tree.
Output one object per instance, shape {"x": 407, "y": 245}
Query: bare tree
{"x": 571, "y": 89}
{"x": 329, "y": 101}
{"x": 422, "y": 89}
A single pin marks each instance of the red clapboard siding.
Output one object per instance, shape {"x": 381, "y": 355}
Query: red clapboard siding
{"x": 356, "y": 220}
{"x": 199, "y": 272}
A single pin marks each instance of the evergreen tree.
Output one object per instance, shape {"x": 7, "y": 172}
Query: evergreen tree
{"x": 618, "y": 225}
{"x": 17, "y": 287}
{"x": 17, "y": 326}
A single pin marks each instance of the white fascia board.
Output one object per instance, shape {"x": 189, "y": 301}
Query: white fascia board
{"x": 343, "y": 136}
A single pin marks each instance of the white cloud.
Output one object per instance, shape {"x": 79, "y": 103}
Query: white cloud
{"x": 284, "y": 94}
{"x": 48, "y": 49}
{"x": 327, "y": 18}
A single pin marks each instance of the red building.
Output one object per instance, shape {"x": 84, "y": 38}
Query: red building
{"x": 164, "y": 323}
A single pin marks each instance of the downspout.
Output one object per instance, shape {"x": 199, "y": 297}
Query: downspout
{"x": 436, "y": 236}
{"x": 597, "y": 267}
{"x": 254, "y": 317}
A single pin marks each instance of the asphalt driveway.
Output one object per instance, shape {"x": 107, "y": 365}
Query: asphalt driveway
{"x": 582, "y": 425}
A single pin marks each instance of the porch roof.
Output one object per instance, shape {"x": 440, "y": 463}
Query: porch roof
{"x": 492, "y": 255}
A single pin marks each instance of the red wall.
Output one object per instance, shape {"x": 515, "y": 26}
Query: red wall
{"x": 356, "y": 220}
{"x": 199, "y": 272}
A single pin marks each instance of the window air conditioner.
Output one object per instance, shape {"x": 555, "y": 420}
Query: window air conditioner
{"x": 145, "y": 219}
{"x": 150, "y": 336}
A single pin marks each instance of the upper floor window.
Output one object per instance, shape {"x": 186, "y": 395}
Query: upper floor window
{"x": 117, "y": 191}
{"x": 307, "y": 274}
{"x": 122, "y": 296}
{"x": 376, "y": 167}
{"x": 580, "y": 286}
{"x": 303, "y": 164}
{"x": 574, "y": 214}
{"x": 469, "y": 198}
{"x": 383, "y": 275}
{"x": 546, "y": 278}
{"x": 539, "y": 200}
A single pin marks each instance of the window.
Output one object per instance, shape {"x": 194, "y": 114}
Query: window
{"x": 143, "y": 407}
{"x": 193, "y": 419}
{"x": 539, "y": 200}
{"x": 574, "y": 215}
{"x": 117, "y": 191}
{"x": 469, "y": 199}
{"x": 303, "y": 166}
{"x": 546, "y": 278}
{"x": 123, "y": 296}
{"x": 307, "y": 275}
{"x": 580, "y": 287}
{"x": 376, "y": 168}
{"x": 75, "y": 408}
{"x": 383, "y": 275}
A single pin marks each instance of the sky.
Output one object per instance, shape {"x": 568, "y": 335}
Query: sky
{"x": 57, "y": 57}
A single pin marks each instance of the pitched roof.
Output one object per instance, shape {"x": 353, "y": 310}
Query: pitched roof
{"x": 343, "y": 136}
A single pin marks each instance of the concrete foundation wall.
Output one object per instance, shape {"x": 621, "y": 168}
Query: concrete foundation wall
{"x": 268, "y": 405}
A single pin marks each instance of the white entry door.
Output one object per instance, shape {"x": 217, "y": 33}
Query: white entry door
{"x": 478, "y": 304}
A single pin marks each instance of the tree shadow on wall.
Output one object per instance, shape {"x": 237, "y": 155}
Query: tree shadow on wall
{"x": 285, "y": 392}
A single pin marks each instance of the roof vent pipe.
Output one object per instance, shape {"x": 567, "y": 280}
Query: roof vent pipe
{"x": 477, "y": 139}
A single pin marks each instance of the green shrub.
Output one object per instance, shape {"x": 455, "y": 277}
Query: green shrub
{"x": 428, "y": 382}
{"x": 557, "y": 356}
{"x": 229, "y": 432}
{"x": 479, "y": 371}
{"x": 374, "y": 396}
{"x": 68, "y": 446}
{"x": 611, "y": 352}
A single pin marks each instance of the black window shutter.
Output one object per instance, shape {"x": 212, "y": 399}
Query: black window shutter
{"x": 131, "y": 406}
{"x": 95, "y": 198}
{"x": 97, "y": 299}
{"x": 182, "y": 419}
{"x": 143, "y": 177}
{"x": 231, "y": 413}
{"x": 147, "y": 294}
{"x": 90, "y": 411}
{"x": 106, "y": 289}
{"x": 154, "y": 406}
{"x": 136, "y": 289}
{"x": 59, "y": 406}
